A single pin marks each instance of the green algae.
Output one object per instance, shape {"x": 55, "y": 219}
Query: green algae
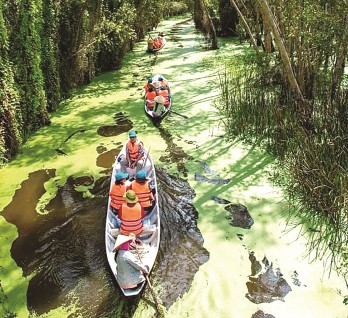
{"x": 219, "y": 287}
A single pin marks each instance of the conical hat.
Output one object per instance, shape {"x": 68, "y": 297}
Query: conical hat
{"x": 121, "y": 239}
{"x": 160, "y": 99}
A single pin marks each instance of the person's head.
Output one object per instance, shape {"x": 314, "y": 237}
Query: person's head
{"x": 161, "y": 33}
{"x": 149, "y": 80}
{"x": 160, "y": 78}
{"x": 132, "y": 135}
{"x": 141, "y": 176}
{"x": 120, "y": 177}
{"x": 130, "y": 197}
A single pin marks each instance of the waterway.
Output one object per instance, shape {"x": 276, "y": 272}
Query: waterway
{"x": 226, "y": 249}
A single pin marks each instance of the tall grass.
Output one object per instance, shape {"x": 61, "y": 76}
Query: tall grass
{"x": 257, "y": 107}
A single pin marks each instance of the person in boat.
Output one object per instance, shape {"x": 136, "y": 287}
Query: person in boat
{"x": 164, "y": 83}
{"x": 150, "y": 97}
{"x": 131, "y": 214}
{"x": 130, "y": 269}
{"x": 148, "y": 84}
{"x": 117, "y": 191}
{"x": 143, "y": 189}
{"x": 134, "y": 153}
{"x": 164, "y": 92}
{"x": 159, "y": 108}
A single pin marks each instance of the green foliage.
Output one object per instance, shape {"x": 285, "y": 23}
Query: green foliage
{"x": 49, "y": 48}
{"x": 10, "y": 121}
{"x": 309, "y": 138}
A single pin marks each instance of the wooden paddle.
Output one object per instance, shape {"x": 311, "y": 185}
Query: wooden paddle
{"x": 173, "y": 111}
{"x": 147, "y": 156}
{"x": 160, "y": 309}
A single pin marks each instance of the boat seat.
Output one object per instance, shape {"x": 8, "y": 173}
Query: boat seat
{"x": 114, "y": 232}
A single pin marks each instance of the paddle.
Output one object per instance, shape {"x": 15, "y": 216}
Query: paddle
{"x": 160, "y": 309}
{"x": 147, "y": 156}
{"x": 173, "y": 111}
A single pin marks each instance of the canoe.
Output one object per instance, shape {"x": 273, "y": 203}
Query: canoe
{"x": 159, "y": 115}
{"x": 151, "y": 49}
{"x": 151, "y": 234}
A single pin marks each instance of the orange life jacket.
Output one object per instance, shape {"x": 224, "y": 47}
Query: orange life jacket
{"x": 156, "y": 44}
{"x": 151, "y": 97}
{"x": 131, "y": 217}
{"x": 160, "y": 41}
{"x": 143, "y": 192}
{"x": 163, "y": 83}
{"x": 146, "y": 87}
{"x": 134, "y": 149}
{"x": 165, "y": 94}
{"x": 116, "y": 195}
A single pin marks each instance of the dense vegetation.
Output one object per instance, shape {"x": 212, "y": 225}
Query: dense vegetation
{"x": 50, "y": 47}
{"x": 291, "y": 98}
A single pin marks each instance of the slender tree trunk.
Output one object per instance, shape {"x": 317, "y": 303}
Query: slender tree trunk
{"x": 252, "y": 40}
{"x": 268, "y": 16}
{"x": 340, "y": 60}
{"x": 204, "y": 22}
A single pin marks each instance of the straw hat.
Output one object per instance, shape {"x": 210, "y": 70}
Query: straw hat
{"x": 121, "y": 239}
{"x": 131, "y": 197}
{"x": 160, "y": 99}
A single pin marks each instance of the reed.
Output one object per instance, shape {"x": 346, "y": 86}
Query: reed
{"x": 258, "y": 107}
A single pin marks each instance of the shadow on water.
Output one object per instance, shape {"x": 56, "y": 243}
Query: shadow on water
{"x": 64, "y": 251}
{"x": 174, "y": 153}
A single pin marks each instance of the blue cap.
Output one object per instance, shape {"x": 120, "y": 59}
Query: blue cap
{"x": 132, "y": 133}
{"x": 121, "y": 175}
{"x": 141, "y": 174}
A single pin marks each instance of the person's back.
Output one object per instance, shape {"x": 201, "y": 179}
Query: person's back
{"x": 150, "y": 97}
{"x": 117, "y": 191}
{"x": 163, "y": 92}
{"x": 130, "y": 270}
{"x": 131, "y": 214}
{"x": 141, "y": 187}
{"x": 148, "y": 84}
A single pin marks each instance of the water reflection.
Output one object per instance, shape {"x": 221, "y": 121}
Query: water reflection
{"x": 64, "y": 250}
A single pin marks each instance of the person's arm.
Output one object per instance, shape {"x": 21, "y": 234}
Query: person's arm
{"x": 132, "y": 260}
{"x": 120, "y": 212}
{"x": 143, "y": 213}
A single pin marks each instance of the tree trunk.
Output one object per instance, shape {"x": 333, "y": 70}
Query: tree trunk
{"x": 204, "y": 22}
{"x": 252, "y": 40}
{"x": 268, "y": 16}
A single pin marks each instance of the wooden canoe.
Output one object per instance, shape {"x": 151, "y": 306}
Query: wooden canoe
{"x": 151, "y": 234}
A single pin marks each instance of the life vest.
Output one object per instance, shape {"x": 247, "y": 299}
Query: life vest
{"x": 131, "y": 219}
{"x": 160, "y": 41}
{"x": 146, "y": 87}
{"x": 134, "y": 149}
{"x": 156, "y": 44}
{"x": 165, "y": 94}
{"x": 143, "y": 192}
{"x": 163, "y": 83}
{"x": 116, "y": 195}
{"x": 150, "y": 96}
